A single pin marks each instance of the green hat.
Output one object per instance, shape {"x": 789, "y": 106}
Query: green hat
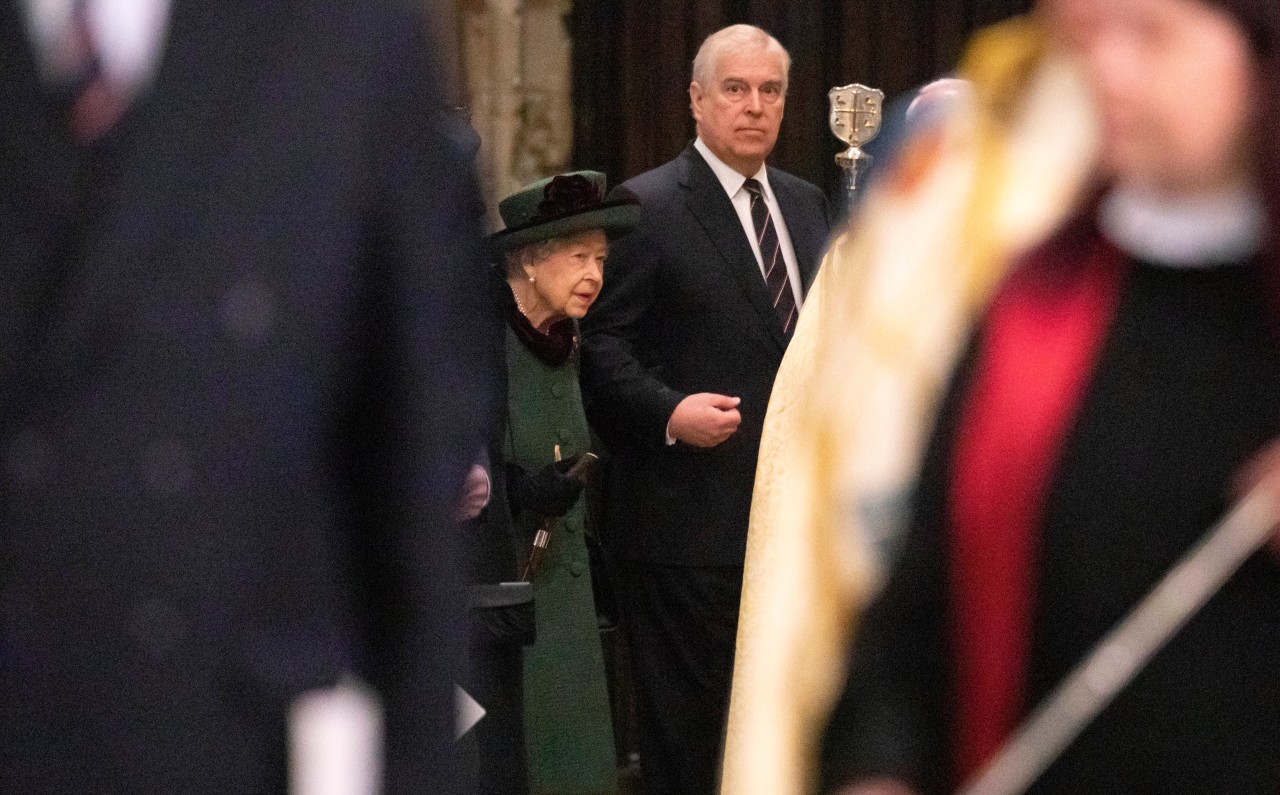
{"x": 562, "y": 205}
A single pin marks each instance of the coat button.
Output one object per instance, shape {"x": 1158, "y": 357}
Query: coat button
{"x": 557, "y": 390}
{"x": 565, "y": 436}
{"x": 577, "y": 568}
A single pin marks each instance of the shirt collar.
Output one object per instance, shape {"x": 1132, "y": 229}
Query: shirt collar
{"x": 1184, "y": 233}
{"x": 730, "y": 179}
{"x": 129, "y": 35}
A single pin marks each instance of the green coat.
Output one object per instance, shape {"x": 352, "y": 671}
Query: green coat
{"x": 570, "y": 736}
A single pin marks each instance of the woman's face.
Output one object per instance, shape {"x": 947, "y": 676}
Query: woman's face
{"x": 1173, "y": 83}
{"x": 568, "y": 281}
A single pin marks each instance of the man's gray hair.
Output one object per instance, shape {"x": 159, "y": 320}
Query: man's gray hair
{"x": 735, "y": 38}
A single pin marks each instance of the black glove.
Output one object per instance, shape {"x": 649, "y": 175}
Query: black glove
{"x": 547, "y": 492}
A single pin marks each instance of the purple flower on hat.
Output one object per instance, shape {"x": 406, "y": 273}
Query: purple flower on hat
{"x": 567, "y": 194}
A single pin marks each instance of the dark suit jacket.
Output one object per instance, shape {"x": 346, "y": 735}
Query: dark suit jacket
{"x": 245, "y": 357}
{"x": 685, "y": 309}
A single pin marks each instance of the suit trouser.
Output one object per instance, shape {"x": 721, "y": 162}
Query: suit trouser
{"x": 681, "y": 623}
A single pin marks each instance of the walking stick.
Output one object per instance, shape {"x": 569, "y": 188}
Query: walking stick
{"x": 542, "y": 538}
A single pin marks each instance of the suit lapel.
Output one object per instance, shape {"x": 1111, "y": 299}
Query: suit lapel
{"x": 215, "y": 55}
{"x": 195, "y": 108}
{"x": 707, "y": 201}
{"x": 38, "y": 167}
{"x": 806, "y": 235}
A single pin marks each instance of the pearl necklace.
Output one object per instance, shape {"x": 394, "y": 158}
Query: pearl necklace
{"x": 519, "y": 305}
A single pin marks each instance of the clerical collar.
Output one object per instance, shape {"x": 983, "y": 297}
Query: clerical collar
{"x": 1199, "y": 232}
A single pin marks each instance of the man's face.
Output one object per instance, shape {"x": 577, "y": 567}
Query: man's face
{"x": 1172, "y": 80}
{"x": 739, "y": 114}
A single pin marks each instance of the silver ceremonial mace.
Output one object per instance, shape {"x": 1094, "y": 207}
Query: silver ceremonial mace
{"x": 855, "y": 120}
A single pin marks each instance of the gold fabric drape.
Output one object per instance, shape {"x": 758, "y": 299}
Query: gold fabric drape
{"x": 856, "y": 394}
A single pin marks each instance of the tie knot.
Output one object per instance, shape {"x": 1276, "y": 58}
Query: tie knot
{"x": 754, "y": 187}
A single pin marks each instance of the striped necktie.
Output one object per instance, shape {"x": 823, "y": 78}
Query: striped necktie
{"x": 91, "y": 103}
{"x": 775, "y": 267}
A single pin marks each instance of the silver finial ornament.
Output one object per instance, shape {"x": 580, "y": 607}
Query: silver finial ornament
{"x": 855, "y": 120}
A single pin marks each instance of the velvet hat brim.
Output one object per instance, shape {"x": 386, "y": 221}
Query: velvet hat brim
{"x": 564, "y": 205}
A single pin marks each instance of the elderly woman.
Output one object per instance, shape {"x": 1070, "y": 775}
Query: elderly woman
{"x": 552, "y": 257}
{"x": 1118, "y": 392}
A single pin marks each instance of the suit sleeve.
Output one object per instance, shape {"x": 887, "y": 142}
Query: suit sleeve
{"x": 622, "y": 386}
{"x": 824, "y": 211}
{"x": 428, "y": 401}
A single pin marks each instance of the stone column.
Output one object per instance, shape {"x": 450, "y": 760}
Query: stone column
{"x": 517, "y": 64}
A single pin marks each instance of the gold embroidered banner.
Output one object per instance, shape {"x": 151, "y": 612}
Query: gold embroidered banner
{"x": 856, "y": 394}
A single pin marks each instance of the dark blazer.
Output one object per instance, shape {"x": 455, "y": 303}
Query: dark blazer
{"x": 245, "y": 358}
{"x": 685, "y": 309}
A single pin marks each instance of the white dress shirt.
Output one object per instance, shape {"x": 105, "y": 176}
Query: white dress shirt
{"x": 733, "y": 186}
{"x": 128, "y": 36}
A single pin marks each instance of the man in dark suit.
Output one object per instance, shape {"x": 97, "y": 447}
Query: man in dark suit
{"x": 679, "y": 357}
{"x": 244, "y": 360}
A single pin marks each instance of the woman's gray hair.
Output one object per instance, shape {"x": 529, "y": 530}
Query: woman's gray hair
{"x": 530, "y": 254}
{"x": 735, "y": 38}
{"x": 533, "y": 253}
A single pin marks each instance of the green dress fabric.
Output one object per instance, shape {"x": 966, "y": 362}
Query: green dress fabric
{"x": 567, "y": 719}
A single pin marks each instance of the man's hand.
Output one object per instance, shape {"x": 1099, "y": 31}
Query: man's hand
{"x": 705, "y": 419}
{"x": 1263, "y": 471}
{"x": 475, "y": 495}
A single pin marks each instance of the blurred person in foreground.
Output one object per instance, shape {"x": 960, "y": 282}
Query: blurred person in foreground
{"x": 552, "y": 253}
{"x": 244, "y": 360}
{"x": 678, "y": 359}
{"x": 1065, "y": 294}
{"x": 1118, "y": 390}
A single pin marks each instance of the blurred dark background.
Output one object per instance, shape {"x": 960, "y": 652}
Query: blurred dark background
{"x": 631, "y": 62}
